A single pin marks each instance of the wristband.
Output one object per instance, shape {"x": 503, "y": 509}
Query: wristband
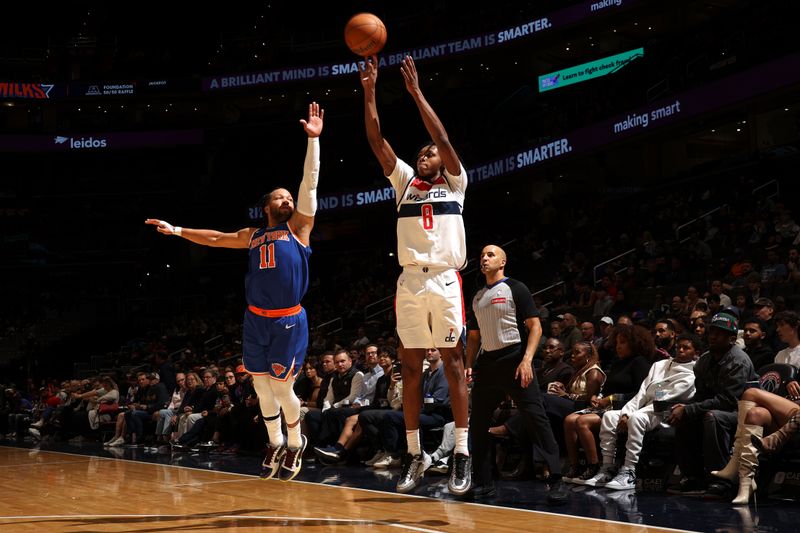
{"x": 177, "y": 230}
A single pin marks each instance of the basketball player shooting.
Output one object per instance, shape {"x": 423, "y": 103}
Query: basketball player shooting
{"x": 431, "y": 249}
{"x": 275, "y": 334}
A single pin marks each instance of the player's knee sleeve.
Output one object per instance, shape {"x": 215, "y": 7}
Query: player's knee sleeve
{"x": 266, "y": 398}
{"x": 287, "y": 399}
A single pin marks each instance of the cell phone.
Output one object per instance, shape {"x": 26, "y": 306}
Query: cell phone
{"x": 397, "y": 367}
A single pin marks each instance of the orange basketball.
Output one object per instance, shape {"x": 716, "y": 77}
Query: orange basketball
{"x": 365, "y": 34}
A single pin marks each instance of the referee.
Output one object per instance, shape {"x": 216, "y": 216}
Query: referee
{"x": 505, "y": 313}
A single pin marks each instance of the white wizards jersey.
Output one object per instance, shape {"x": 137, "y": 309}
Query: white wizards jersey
{"x": 430, "y": 229}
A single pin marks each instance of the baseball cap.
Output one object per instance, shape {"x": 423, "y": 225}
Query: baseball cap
{"x": 154, "y": 375}
{"x": 725, "y": 321}
{"x": 607, "y": 320}
{"x": 559, "y": 317}
{"x": 240, "y": 370}
{"x": 764, "y": 302}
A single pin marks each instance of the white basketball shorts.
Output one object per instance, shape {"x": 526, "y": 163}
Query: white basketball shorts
{"x": 429, "y": 307}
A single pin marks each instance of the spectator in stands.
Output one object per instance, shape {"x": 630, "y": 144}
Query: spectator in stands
{"x": 754, "y": 289}
{"x": 698, "y": 325}
{"x": 370, "y": 421}
{"x": 773, "y": 271}
{"x": 793, "y": 266}
{"x": 716, "y": 289}
{"x": 361, "y": 338}
{"x": 602, "y": 303}
{"x": 604, "y": 350}
{"x": 555, "y": 327}
{"x": 665, "y": 338}
{"x": 109, "y": 396}
{"x": 674, "y": 378}
{"x": 787, "y": 324}
{"x": 138, "y": 399}
{"x": 765, "y": 310}
{"x": 165, "y": 370}
{"x": 714, "y": 304}
{"x": 553, "y": 366}
{"x": 352, "y": 432}
{"x": 345, "y": 387}
{"x": 155, "y": 398}
{"x": 755, "y": 346}
{"x": 635, "y": 352}
{"x": 704, "y": 425}
{"x": 570, "y": 334}
{"x": 192, "y": 401}
{"x": 584, "y": 386}
{"x": 587, "y": 333}
{"x": 167, "y": 418}
{"x": 691, "y": 299}
{"x": 307, "y": 389}
{"x": 435, "y": 410}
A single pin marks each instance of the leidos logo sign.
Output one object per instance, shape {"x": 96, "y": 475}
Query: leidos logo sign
{"x": 82, "y": 143}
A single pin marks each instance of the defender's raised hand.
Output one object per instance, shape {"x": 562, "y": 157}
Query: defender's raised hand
{"x": 313, "y": 125}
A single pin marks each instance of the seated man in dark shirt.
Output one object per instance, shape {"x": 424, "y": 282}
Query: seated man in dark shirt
{"x": 755, "y": 345}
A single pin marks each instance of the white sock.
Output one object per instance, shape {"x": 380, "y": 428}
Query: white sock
{"x": 274, "y": 430}
{"x": 412, "y": 437}
{"x": 462, "y": 441}
{"x": 293, "y": 439}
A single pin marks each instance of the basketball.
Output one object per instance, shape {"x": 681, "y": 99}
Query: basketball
{"x": 365, "y": 34}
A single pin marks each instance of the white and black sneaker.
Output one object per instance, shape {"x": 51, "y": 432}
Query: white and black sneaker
{"x": 460, "y": 474}
{"x": 440, "y": 466}
{"x": 412, "y": 470}
{"x": 624, "y": 480}
{"x": 293, "y": 460}
{"x": 603, "y": 476}
{"x": 272, "y": 461}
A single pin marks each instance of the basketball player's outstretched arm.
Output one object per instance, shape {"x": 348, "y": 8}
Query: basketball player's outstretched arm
{"x": 430, "y": 118}
{"x": 368, "y": 72}
{"x": 302, "y": 221}
{"x": 206, "y": 237}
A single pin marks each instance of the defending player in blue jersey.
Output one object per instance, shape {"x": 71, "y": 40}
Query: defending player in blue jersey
{"x": 275, "y": 327}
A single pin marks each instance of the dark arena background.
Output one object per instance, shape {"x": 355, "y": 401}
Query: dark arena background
{"x": 626, "y": 154}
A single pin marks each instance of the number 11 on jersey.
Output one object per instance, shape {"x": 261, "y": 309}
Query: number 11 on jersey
{"x": 267, "y": 256}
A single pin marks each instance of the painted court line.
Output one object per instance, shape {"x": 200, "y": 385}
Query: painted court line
{"x": 331, "y": 521}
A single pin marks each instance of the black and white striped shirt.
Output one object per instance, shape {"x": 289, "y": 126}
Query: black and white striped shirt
{"x": 501, "y": 310}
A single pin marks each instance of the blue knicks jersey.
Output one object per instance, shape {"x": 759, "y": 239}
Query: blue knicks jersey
{"x": 278, "y": 275}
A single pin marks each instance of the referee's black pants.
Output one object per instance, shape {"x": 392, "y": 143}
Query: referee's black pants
{"x": 493, "y": 376}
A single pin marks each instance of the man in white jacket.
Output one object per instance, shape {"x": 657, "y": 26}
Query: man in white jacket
{"x": 673, "y": 379}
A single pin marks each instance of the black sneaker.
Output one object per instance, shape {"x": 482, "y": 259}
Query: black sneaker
{"x": 558, "y": 492}
{"x": 329, "y": 455}
{"x": 488, "y": 490}
{"x": 719, "y": 491}
{"x": 293, "y": 460}
{"x": 573, "y": 473}
{"x": 460, "y": 474}
{"x": 688, "y": 487}
{"x": 589, "y": 473}
{"x": 272, "y": 461}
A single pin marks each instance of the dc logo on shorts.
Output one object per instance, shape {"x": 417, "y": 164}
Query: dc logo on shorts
{"x": 451, "y": 337}
{"x": 278, "y": 369}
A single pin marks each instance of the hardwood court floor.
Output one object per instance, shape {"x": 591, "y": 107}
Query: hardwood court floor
{"x": 46, "y": 491}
